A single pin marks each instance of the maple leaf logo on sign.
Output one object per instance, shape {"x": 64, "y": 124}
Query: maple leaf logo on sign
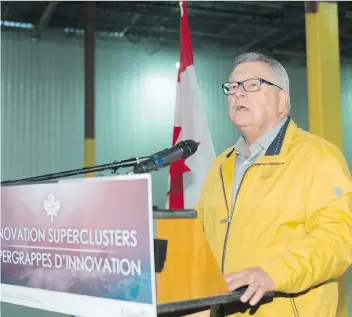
{"x": 51, "y": 206}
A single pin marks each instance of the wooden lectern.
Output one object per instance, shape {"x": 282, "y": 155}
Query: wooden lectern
{"x": 190, "y": 280}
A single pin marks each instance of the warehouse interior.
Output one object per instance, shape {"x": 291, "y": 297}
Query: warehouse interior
{"x": 107, "y": 70}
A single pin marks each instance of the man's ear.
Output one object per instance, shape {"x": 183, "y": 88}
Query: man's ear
{"x": 283, "y": 101}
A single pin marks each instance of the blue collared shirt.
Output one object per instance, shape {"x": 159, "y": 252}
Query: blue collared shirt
{"x": 245, "y": 159}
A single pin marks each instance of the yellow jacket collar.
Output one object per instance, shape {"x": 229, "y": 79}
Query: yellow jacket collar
{"x": 278, "y": 149}
{"x": 276, "y": 154}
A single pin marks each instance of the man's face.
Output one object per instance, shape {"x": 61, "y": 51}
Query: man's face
{"x": 258, "y": 110}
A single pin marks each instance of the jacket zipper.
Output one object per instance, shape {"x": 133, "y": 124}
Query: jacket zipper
{"x": 229, "y": 218}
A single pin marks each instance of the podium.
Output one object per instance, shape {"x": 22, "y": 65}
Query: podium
{"x": 189, "y": 279}
{"x": 95, "y": 254}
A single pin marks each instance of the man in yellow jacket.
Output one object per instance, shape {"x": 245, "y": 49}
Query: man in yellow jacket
{"x": 276, "y": 208}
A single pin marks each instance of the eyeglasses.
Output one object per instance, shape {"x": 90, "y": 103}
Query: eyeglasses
{"x": 249, "y": 85}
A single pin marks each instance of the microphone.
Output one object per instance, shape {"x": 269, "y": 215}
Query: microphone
{"x": 165, "y": 157}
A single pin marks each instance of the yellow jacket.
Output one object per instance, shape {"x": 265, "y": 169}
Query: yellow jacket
{"x": 292, "y": 218}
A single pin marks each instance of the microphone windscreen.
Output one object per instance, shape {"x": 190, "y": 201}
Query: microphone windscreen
{"x": 189, "y": 148}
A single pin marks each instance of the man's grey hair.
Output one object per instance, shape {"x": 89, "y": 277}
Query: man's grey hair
{"x": 278, "y": 70}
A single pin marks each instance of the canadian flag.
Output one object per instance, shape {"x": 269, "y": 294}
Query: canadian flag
{"x": 188, "y": 175}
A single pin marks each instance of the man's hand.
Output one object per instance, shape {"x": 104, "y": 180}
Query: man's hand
{"x": 258, "y": 281}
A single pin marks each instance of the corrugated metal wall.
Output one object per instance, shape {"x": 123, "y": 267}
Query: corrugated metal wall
{"x": 41, "y": 106}
{"x": 346, "y": 100}
{"x": 42, "y": 103}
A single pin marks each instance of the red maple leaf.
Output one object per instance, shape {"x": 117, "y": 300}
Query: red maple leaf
{"x": 177, "y": 169}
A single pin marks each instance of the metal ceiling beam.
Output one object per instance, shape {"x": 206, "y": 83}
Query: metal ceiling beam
{"x": 196, "y": 15}
{"x": 45, "y": 18}
{"x": 216, "y": 12}
{"x": 346, "y": 46}
{"x": 6, "y": 10}
{"x": 283, "y": 39}
{"x": 199, "y": 16}
{"x": 153, "y": 32}
{"x": 289, "y": 53}
{"x": 258, "y": 40}
{"x": 263, "y": 4}
{"x": 162, "y": 31}
{"x": 126, "y": 28}
{"x": 132, "y": 21}
{"x": 276, "y": 43}
{"x": 214, "y": 16}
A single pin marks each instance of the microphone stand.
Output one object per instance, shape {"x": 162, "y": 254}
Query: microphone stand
{"x": 160, "y": 246}
{"x": 114, "y": 166}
